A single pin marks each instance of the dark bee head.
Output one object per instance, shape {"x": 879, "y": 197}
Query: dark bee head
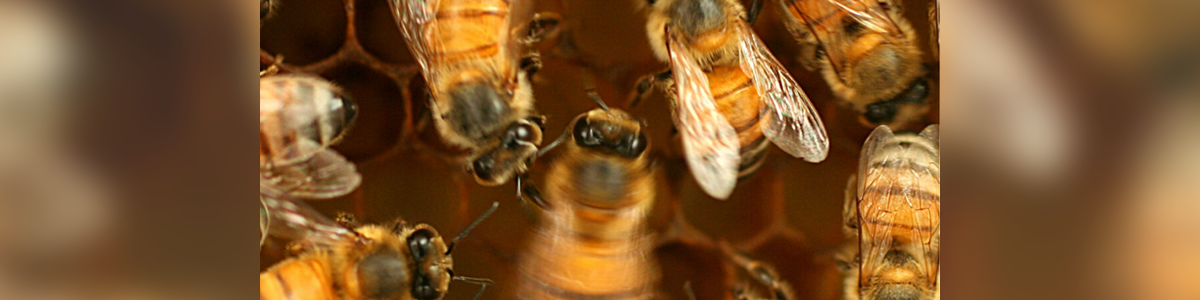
{"x": 612, "y": 132}
{"x": 696, "y": 17}
{"x": 885, "y": 112}
{"x": 431, "y": 272}
{"x": 476, "y": 110}
{"x": 511, "y": 155}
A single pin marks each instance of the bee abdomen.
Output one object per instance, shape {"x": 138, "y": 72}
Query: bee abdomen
{"x": 738, "y": 102}
{"x": 467, "y": 29}
{"x": 752, "y": 157}
{"x": 297, "y": 279}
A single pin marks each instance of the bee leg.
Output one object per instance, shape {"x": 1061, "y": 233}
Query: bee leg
{"x": 535, "y": 196}
{"x": 531, "y": 64}
{"x": 544, "y": 25}
{"x": 761, "y": 272}
{"x": 647, "y": 82}
{"x": 755, "y": 10}
{"x": 273, "y": 68}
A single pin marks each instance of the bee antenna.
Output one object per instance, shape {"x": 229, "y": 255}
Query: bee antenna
{"x": 591, "y": 92}
{"x": 562, "y": 137}
{"x": 482, "y": 282}
{"x": 472, "y": 226}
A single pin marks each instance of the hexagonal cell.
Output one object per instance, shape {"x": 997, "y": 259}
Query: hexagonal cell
{"x": 381, "y": 114}
{"x": 304, "y": 31}
{"x": 378, "y": 32}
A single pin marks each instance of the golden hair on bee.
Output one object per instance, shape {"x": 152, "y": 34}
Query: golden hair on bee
{"x": 470, "y": 55}
{"x": 868, "y": 53}
{"x": 729, "y": 93}
{"x": 894, "y": 214}
{"x": 370, "y": 262}
{"x": 601, "y": 190}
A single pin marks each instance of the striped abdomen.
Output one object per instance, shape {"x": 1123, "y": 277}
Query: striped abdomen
{"x": 738, "y": 101}
{"x": 304, "y": 278}
{"x": 901, "y": 194}
{"x": 593, "y": 243}
{"x": 467, "y": 29}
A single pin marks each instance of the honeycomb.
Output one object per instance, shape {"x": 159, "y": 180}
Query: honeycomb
{"x": 788, "y": 215}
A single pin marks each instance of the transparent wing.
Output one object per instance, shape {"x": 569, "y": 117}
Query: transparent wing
{"x": 263, "y": 221}
{"x": 415, "y": 19}
{"x": 324, "y": 175}
{"x": 899, "y": 205}
{"x": 709, "y": 142}
{"x": 824, "y": 20}
{"x": 933, "y": 134}
{"x": 790, "y": 120}
{"x": 293, "y": 220}
{"x": 875, "y": 141}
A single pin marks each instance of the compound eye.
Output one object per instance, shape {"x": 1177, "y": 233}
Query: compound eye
{"x": 423, "y": 289}
{"x": 420, "y": 243}
{"x": 638, "y": 144}
{"x": 585, "y": 135}
{"x": 880, "y": 112}
{"x": 523, "y": 132}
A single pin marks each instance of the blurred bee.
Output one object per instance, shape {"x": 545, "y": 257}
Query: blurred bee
{"x": 481, "y": 96}
{"x": 300, "y": 116}
{"x": 894, "y": 212}
{"x": 367, "y": 262}
{"x": 594, "y": 244}
{"x": 868, "y": 54}
{"x": 730, "y": 94}
{"x": 265, "y": 8}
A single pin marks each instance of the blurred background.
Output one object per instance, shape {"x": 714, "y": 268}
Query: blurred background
{"x": 1071, "y": 140}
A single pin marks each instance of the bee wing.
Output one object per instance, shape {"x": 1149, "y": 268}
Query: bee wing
{"x": 263, "y": 220}
{"x": 833, "y": 41}
{"x": 415, "y": 19}
{"x": 878, "y": 217}
{"x": 709, "y": 141}
{"x": 291, "y": 219}
{"x": 790, "y": 120}
{"x": 324, "y": 175}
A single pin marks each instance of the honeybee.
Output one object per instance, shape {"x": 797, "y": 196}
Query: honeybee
{"x": 894, "y": 212}
{"x": 867, "y": 53}
{"x": 300, "y": 116}
{"x": 367, "y": 262}
{"x": 482, "y": 100}
{"x": 730, "y": 92}
{"x": 594, "y": 244}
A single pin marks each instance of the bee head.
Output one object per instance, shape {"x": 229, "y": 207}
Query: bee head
{"x": 431, "y": 264}
{"x": 614, "y": 132}
{"x": 511, "y": 155}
